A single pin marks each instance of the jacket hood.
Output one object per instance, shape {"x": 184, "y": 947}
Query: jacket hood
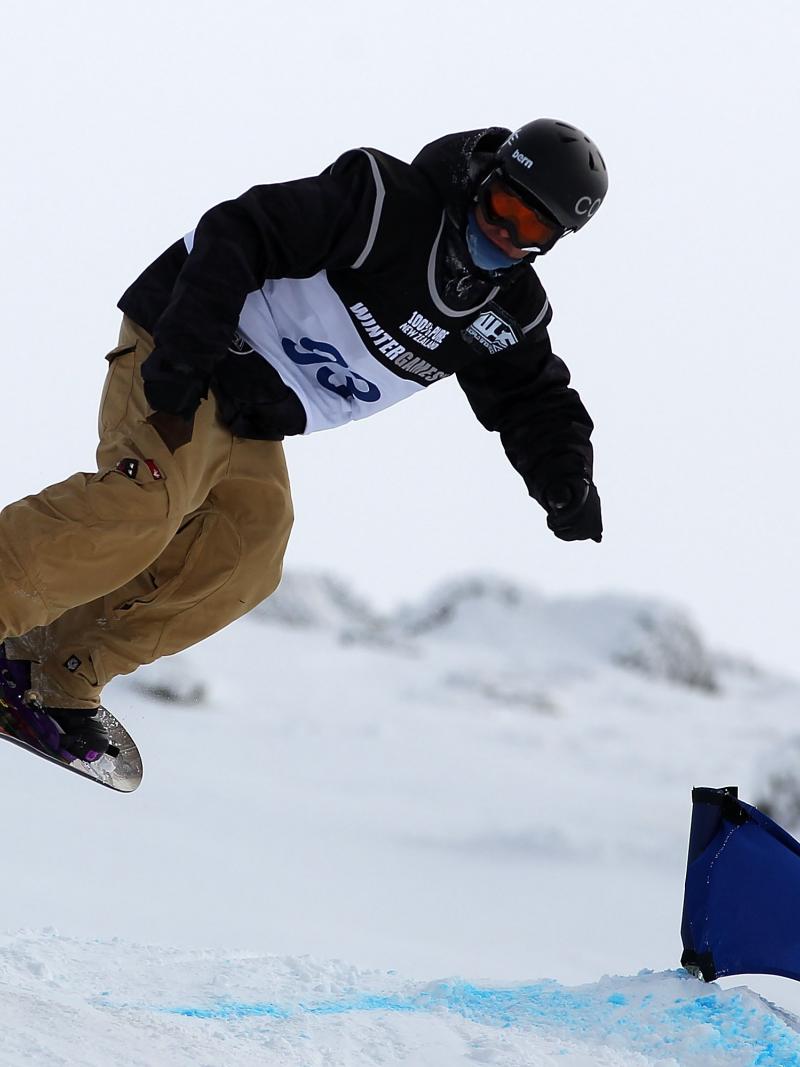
{"x": 453, "y": 163}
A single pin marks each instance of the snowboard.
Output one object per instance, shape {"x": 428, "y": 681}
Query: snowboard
{"x": 119, "y": 769}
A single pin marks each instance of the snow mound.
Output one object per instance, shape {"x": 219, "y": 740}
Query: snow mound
{"x": 648, "y": 636}
{"x": 645, "y": 635}
{"x": 69, "y": 1002}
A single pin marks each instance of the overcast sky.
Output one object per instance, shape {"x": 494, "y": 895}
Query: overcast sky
{"x": 675, "y": 309}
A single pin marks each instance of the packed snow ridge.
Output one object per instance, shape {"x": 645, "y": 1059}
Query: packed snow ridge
{"x": 91, "y": 1005}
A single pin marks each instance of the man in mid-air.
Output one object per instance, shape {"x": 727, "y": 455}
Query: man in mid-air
{"x": 295, "y": 308}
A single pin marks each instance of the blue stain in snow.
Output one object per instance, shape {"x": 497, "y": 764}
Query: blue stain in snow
{"x": 713, "y": 1023}
{"x": 505, "y": 1007}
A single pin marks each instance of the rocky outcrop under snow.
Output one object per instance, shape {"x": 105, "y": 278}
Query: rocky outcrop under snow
{"x": 638, "y": 634}
{"x": 309, "y": 600}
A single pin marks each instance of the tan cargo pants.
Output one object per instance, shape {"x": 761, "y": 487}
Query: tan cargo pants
{"x": 154, "y": 552}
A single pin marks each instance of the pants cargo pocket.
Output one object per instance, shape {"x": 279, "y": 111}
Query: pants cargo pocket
{"x": 128, "y": 493}
{"x": 117, "y": 388}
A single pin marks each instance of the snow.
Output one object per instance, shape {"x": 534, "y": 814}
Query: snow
{"x": 96, "y": 1003}
{"x": 646, "y": 635}
{"x": 482, "y": 786}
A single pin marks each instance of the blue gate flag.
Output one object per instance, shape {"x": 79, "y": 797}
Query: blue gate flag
{"x": 741, "y": 905}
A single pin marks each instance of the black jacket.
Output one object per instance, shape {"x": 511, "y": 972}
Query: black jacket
{"x": 308, "y": 303}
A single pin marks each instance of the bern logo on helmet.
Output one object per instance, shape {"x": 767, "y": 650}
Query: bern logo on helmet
{"x": 586, "y": 206}
{"x": 524, "y": 160}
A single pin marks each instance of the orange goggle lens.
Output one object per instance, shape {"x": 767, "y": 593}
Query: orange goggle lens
{"x": 527, "y": 226}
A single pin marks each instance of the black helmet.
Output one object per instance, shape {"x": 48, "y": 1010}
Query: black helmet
{"x": 558, "y": 166}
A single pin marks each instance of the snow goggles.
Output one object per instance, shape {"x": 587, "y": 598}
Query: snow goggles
{"x": 530, "y": 227}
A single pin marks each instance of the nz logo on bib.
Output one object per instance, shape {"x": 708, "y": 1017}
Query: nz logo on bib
{"x": 492, "y": 331}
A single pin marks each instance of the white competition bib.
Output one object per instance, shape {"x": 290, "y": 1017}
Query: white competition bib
{"x": 301, "y": 327}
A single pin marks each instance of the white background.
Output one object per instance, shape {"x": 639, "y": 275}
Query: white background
{"x": 675, "y": 309}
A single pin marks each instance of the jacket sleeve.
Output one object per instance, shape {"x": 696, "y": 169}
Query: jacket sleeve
{"x": 526, "y": 397}
{"x": 286, "y": 230}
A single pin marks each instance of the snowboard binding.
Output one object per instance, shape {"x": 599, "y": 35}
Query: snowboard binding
{"x": 79, "y": 734}
{"x": 90, "y": 742}
{"x": 67, "y": 733}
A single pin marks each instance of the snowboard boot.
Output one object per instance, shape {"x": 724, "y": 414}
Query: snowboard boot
{"x": 70, "y": 733}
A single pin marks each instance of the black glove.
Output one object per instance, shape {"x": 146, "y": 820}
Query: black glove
{"x": 172, "y": 386}
{"x": 573, "y": 509}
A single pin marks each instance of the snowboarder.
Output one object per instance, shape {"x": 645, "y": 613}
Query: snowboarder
{"x": 294, "y": 308}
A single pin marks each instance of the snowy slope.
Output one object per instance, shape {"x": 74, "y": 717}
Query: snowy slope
{"x": 489, "y": 785}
